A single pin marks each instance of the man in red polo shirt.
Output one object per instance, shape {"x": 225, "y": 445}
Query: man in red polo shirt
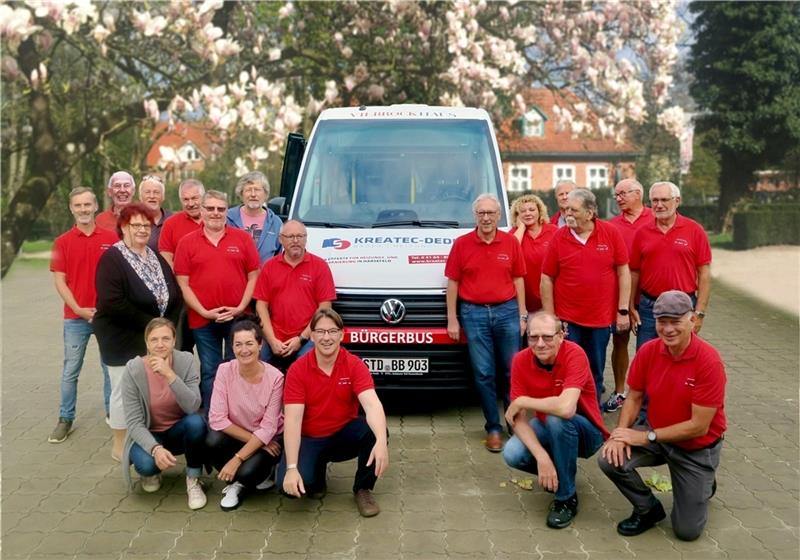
{"x": 73, "y": 263}
{"x": 120, "y": 189}
{"x": 486, "y": 289}
{"x": 290, "y": 288}
{"x": 323, "y": 391}
{"x": 633, "y": 214}
{"x": 554, "y": 414}
{"x": 563, "y": 188}
{"x": 191, "y": 192}
{"x": 586, "y": 281}
{"x": 216, "y": 268}
{"x": 684, "y": 378}
{"x": 669, "y": 253}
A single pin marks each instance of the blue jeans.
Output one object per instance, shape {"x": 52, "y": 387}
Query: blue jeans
{"x": 280, "y": 362}
{"x": 213, "y": 346}
{"x": 76, "y": 338}
{"x": 187, "y": 436}
{"x": 594, "y": 342}
{"x": 647, "y": 328}
{"x": 355, "y": 439}
{"x": 565, "y": 441}
{"x": 492, "y": 333}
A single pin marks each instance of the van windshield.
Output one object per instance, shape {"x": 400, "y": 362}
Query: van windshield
{"x": 397, "y": 173}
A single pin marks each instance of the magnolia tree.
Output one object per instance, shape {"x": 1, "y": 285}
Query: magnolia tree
{"x": 77, "y": 74}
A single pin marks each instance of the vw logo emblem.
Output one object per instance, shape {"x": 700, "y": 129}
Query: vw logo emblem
{"x": 393, "y": 311}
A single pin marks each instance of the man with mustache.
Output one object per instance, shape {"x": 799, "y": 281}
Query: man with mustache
{"x": 120, "y": 189}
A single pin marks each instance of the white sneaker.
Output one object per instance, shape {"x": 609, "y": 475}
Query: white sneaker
{"x": 151, "y": 484}
{"x": 197, "y": 498}
{"x": 230, "y": 496}
{"x": 268, "y": 482}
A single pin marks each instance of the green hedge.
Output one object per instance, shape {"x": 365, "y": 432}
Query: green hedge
{"x": 705, "y": 215}
{"x": 766, "y": 224}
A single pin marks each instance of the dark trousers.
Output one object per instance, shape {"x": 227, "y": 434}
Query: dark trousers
{"x": 187, "y": 436}
{"x": 594, "y": 342}
{"x": 355, "y": 439}
{"x": 253, "y": 471}
{"x": 692, "y": 474}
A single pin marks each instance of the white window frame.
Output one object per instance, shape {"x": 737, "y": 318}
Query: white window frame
{"x": 535, "y": 128}
{"x": 592, "y": 183}
{"x": 520, "y": 184}
{"x": 570, "y": 176}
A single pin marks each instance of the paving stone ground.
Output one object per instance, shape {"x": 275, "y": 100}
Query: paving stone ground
{"x": 443, "y": 497}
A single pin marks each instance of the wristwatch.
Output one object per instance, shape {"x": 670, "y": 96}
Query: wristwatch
{"x": 622, "y": 312}
{"x": 303, "y": 340}
{"x": 651, "y": 436}
{"x": 700, "y": 314}
{"x": 523, "y": 317}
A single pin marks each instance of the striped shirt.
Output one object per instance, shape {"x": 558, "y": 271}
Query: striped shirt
{"x": 257, "y": 408}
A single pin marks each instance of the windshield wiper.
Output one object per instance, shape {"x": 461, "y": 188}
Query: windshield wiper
{"x": 418, "y": 223}
{"x": 332, "y": 225}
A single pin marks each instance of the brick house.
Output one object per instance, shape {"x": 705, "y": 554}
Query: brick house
{"x": 535, "y": 155}
{"x": 188, "y": 145}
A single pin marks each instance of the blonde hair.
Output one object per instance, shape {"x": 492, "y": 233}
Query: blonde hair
{"x": 529, "y": 199}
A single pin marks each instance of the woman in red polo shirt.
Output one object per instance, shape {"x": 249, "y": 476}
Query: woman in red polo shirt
{"x": 534, "y": 232}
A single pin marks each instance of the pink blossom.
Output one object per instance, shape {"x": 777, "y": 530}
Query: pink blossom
{"x": 151, "y": 109}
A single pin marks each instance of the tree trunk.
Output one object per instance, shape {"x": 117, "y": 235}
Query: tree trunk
{"x": 735, "y": 178}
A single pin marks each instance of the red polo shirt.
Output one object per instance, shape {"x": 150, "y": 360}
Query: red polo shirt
{"x": 673, "y": 385}
{"x": 174, "y": 229}
{"x": 294, "y": 293}
{"x": 107, "y": 220}
{"x": 570, "y": 371}
{"x": 485, "y": 272}
{"x": 533, "y": 251}
{"x": 628, "y": 229}
{"x": 76, "y": 255}
{"x": 331, "y": 401}
{"x": 217, "y": 275}
{"x": 669, "y": 261}
{"x": 585, "y": 276}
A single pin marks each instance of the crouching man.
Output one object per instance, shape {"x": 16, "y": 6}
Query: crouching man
{"x": 684, "y": 379}
{"x": 321, "y": 423}
{"x": 554, "y": 413}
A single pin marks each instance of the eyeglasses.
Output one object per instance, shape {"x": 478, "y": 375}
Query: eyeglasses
{"x": 486, "y": 213}
{"x": 542, "y": 337}
{"x": 661, "y": 200}
{"x": 295, "y": 237}
{"x": 121, "y": 186}
{"x": 219, "y": 209}
{"x": 622, "y": 194}
{"x": 140, "y": 226}
{"x": 329, "y": 332}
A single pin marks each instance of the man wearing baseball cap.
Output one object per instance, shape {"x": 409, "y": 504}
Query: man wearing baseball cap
{"x": 684, "y": 378}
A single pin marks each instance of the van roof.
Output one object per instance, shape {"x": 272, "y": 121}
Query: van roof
{"x": 392, "y": 112}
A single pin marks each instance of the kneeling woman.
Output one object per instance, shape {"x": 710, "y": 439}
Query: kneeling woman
{"x": 246, "y": 417}
{"x": 161, "y": 396}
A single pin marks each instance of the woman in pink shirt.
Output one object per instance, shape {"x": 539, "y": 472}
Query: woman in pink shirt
{"x": 245, "y": 417}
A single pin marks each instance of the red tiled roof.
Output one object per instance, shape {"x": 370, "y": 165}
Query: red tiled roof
{"x": 200, "y": 135}
{"x": 511, "y": 141}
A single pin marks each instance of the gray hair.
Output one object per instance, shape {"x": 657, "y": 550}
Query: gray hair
{"x": 674, "y": 191}
{"x": 254, "y": 178}
{"x": 118, "y": 174}
{"x": 216, "y": 195}
{"x": 634, "y": 184}
{"x": 485, "y": 196}
{"x": 587, "y": 198}
{"x": 186, "y": 183}
{"x": 80, "y": 190}
{"x": 565, "y": 182}
{"x": 155, "y": 179}
{"x": 542, "y": 313}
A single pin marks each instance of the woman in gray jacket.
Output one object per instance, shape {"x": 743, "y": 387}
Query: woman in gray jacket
{"x": 161, "y": 396}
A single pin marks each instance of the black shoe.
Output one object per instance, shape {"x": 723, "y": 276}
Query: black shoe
{"x": 713, "y": 489}
{"x": 638, "y": 523}
{"x": 562, "y": 512}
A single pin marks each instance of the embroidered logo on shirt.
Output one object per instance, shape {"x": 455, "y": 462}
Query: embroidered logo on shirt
{"x": 602, "y": 247}
{"x": 344, "y": 381}
{"x": 232, "y": 249}
{"x": 305, "y": 277}
{"x": 503, "y": 257}
{"x": 683, "y": 242}
{"x": 690, "y": 382}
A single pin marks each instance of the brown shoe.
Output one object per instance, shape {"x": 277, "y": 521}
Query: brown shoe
{"x": 367, "y": 506}
{"x": 494, "y": 442}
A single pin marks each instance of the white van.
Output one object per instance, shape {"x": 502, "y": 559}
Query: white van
{"x": 384, "y": 192}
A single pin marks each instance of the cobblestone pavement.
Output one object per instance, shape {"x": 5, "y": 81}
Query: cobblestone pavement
{"x": 444, "y": 495}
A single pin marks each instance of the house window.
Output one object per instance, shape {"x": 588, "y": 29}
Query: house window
{"x": 533, "y": 123}
{"x": 519, "y": 178}
{"x": 596, "y": 176}
{"x": 562, "y": 172}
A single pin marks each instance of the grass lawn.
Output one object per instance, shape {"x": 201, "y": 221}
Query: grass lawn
{"x": 37, "y": 246}
{"x": 721, "y": 240}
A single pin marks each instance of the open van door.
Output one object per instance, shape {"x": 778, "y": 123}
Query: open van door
{"x": 292, "y": 158}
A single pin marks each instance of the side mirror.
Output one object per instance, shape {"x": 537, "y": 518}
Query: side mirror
{"x": 279, "y": 206}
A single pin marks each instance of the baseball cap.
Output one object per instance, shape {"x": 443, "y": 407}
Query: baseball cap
{"x": 673, "y": 303}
